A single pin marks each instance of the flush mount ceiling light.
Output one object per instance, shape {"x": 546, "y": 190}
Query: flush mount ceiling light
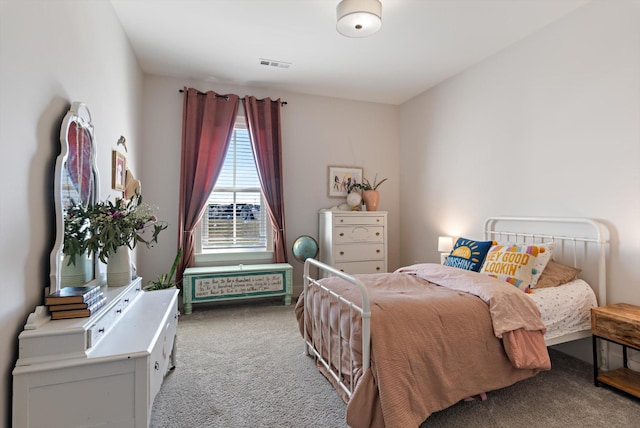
{"x": 359, "y": 18}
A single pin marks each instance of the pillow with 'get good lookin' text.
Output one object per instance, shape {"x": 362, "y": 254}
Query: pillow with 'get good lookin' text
{"x": 545, "y": 251}
{"x": 468, "y": 254}
{"x": 516, "y": 263}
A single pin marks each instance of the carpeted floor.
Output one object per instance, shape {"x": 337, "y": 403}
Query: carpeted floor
{"x": 243, "y": 366}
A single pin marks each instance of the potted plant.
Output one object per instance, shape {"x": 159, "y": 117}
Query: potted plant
{"x": 366, "y": 185}
{"x": 116, "y": 228}
{"x": 76, "y": 232}
{"x": 165, "y": 280}
{"x": 76, "y": 266}
{"x": 370, "y": 193}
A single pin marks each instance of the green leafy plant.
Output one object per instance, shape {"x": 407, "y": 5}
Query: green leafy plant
{"x": 165, "y": 280}
{"x": 366, "y": 184}
{"x": 76, "y": 232}
{"x": 123, "y": 222}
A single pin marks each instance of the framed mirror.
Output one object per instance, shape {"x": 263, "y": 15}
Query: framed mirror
{"x": 75, "y": 188}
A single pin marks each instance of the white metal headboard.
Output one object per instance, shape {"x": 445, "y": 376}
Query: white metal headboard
{"x": 581, "y": 242}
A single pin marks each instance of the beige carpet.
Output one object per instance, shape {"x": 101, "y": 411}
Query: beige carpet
{"x": 243, "y": 366}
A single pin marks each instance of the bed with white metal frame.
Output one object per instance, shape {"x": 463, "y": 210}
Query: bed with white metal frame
{"x": 581, "y": 242}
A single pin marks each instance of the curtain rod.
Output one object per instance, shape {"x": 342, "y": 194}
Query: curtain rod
{"x": 282, "y": 103}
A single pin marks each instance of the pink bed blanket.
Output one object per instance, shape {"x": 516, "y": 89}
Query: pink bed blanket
{"x": 437, "y": 337}
{"x": 514, "y": 316}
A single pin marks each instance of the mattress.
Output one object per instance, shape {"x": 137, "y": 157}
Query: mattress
{"x": 565, "y": 309}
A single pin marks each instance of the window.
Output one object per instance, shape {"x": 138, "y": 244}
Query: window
{"x": 235, "y": 216}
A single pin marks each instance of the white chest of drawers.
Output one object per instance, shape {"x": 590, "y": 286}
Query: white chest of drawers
{"x": 353, "y": 241}
{"x": 104, "y": 370}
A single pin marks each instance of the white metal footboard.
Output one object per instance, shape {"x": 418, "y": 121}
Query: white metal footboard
{"x": 335, "y": 368}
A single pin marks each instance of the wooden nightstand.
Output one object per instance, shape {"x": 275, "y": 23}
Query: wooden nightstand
{"x": 620, "y": 324}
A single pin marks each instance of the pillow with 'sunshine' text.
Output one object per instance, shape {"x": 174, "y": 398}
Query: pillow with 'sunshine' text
{"x": 468, "y": 254}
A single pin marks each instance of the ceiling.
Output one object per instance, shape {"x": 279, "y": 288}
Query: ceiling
{"x": 421, "y": 43}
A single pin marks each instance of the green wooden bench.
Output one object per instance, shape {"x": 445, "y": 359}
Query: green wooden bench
{"x": 219, "y": 283}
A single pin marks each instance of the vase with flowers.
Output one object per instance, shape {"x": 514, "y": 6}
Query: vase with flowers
{"x": 115, "y": 229}
{"x": 370, "y": 194}
{"x": 77, "y": 265}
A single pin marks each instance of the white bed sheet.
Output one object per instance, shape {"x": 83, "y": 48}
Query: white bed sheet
{"x": 565, "y": 309}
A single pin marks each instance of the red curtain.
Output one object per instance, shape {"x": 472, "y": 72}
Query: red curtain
{"x": 263, "y": 121}
{"x": 207, "y": 124}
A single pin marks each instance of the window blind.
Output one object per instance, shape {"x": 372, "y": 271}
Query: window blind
{"x": 235, "y": 215}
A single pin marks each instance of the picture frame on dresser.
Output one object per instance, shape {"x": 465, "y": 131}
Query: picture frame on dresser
{"x": 340, "y": 178}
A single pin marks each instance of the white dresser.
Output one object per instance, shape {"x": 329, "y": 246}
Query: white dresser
{"x": 354, "y": 241}
{"x": 104, "y": 370}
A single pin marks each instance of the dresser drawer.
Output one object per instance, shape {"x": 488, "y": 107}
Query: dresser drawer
{"x": 358, "y": 252}
{"x": 104, "y": 324}
{"x": 355, "y": 219}
{"x": 359, "y": 234}
{"x": 159, "y": 359}
{"x": 112, "y": 315}
{"x": 131, "y": 294}
{"x": 354, "y": 268}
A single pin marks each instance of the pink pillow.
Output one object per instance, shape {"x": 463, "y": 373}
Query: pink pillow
{"x": 556, "y": 274}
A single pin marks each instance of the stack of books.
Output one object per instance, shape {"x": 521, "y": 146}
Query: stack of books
{"x": 75, "y": 302}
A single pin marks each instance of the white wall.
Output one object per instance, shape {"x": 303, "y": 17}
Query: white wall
{"x": 51, "y": 54}
{"x": 548, "y": 127}
{"x": 317, "y": 132}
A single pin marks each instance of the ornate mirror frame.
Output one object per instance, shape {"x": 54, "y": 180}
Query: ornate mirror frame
{"x": 76, "y": 181}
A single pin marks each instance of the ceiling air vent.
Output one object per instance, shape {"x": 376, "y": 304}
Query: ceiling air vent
{"x": 274, "y": 63}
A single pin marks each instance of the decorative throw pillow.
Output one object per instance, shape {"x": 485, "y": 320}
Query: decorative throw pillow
{"x": 556, "y": 274}
{"x": 545, "y": 251}
{"x": 514, "y": 263}
{"x": 468, "y": 254}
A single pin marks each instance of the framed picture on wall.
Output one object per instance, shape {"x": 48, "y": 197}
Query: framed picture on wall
{"x": 341, "y": 177}
{"x": 118, "y": 170}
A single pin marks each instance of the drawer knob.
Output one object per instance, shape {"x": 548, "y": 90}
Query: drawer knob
{"x": 126, "y": 300}
{"x": 156, "y": 366}
{"x": 342, "y": 253}
{"x": 101, "y": 330}
{"x": 341, "y": 220}
{"x": 341, "y": 233}
{"x": 378, "y": 251}
{"x": 377, "y": 233}
{"x": 377, "y": 267}
{"x": 118, "y": 311}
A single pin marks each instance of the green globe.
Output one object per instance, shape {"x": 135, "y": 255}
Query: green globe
{"x": 305, "y": 247}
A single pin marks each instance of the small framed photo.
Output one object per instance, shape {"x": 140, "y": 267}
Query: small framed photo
{"x": 341, "y": 178}
{"x": 118, "y": 170}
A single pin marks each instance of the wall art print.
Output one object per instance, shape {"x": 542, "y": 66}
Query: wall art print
{"x": 341, "y": 178}
{"x": 118, "y": 171}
